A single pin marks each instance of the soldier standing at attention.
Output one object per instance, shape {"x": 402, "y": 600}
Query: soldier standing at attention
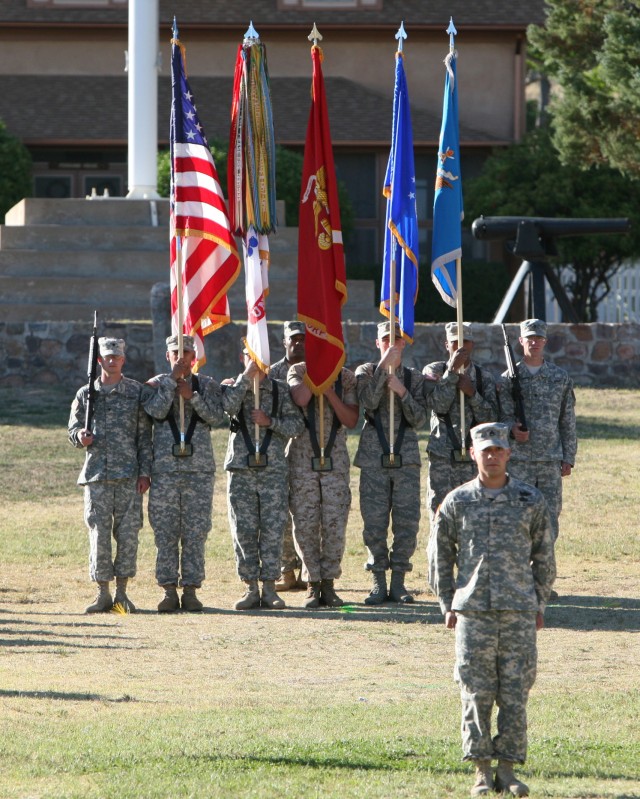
{"x": 293, "y": 342}
{"x": 115, "y": 475}
{"x": 390, "y": 489}
{"x": 320, "y": 496}
{"x": 183, "y": 477}
{"x": 495, "y": 532}
{"x": 258, "y": 483}
{"x": 447, "y": 467}
{"x": 546, "y": 451}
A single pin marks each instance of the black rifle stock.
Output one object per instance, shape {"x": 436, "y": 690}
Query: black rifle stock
{"x": 516, "y": 389}
{"x": 92, "y": 373}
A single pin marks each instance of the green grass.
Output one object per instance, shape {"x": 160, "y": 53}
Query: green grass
{"x": 354, "y": 703}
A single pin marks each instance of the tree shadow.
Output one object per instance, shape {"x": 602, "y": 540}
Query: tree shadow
{"x": 594, "y": 427}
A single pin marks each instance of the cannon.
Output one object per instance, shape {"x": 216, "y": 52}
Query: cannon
{"x": 532, "y": 238}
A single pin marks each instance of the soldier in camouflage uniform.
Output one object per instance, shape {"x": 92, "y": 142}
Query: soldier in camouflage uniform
{"x": 182, "y": 479}
{"x": 293, "y": 342}
{"x": 258, "y": 484}
{"x": 320, "y": 499}
{"x": 447, "y": 468}
{"x": 390, "y": 489}
{"x": 546, "y": 452}
{"x": 115, "y": 475}
{"x": 494, "y": 532}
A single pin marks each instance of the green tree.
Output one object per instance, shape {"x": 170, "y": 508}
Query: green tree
{"x": 15, "y": 168}
{"x": 591, "y": 50}
{"x": 288, "y": 179}
{"x": 528, "y": 179}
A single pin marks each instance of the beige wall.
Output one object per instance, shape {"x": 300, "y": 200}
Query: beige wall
{"x": 485, "y": 66}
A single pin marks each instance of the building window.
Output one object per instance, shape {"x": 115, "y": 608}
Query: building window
{"x": 76, "y": 3}
{"x": 365, "y": 5}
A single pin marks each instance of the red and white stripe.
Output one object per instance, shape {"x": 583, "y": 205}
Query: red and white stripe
{"x": 209, "y": 257}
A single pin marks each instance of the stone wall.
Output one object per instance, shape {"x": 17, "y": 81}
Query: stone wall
{"x": 40, "y": 353}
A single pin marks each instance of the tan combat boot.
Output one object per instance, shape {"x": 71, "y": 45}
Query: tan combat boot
{"x": 507, "y": 781}
{"x": 103, "y": 602}
{"x": 121, "y": 597}
{"x": 269, "y": 597}
{"x": 312, "y": 599}
{"x": 328, "y": 596}
{"x": 287, "y": 581}
{"x": 171, "y": 602}
{"x": 397, "y": 591}
{"x": 484, "y": 779}
{"x": 250, "y": 598}
{"x": 190, "y": 601}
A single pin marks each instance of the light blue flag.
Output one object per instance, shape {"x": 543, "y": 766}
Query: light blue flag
{"x": 447, "y": 204}
{"x": 401, "y": 235}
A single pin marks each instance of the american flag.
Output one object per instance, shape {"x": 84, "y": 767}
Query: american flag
{"x": 200, "y": 230}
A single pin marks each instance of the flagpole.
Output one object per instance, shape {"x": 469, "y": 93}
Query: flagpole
{"x": 180, "y": 309}
{"x": 400, "y": 35}
{"x": 463, "y": 425}
{"x": 451, "y": 30}
{"x": 392, "y": 340}
{"x": 314, "y": 37}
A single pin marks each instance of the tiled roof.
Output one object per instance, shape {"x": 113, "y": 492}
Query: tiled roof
{"x": 87, "y": 109}
{"x": 265, "y": 13}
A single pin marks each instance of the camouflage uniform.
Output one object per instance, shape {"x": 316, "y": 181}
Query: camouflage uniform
{"x": 444, "y": 472}
{"x": 258, "y": 498}
{"x": 389, "y": 492}
{"x": 182, "y": 487}
{"x": 500, "y": 544}
{"x": 119, "y": 454}
{"x": 549, "y": 405}
{"x": 320, "y": 501}
{"x": 290, "y": 558}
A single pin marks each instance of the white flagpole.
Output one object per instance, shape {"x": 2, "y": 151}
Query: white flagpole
{"x": 180, "y": 309}
{"x": 392, "y": 340}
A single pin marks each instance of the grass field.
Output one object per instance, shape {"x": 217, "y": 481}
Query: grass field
{"x": 349, "y": 703}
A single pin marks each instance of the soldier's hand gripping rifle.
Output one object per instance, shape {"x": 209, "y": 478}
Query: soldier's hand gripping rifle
{"x": 92, "y": 373}
{"x": 516, "y": 389}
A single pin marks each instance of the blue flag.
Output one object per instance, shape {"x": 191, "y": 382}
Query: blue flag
{"x": 401, "y": 234}
{"x": 447, "y": 203}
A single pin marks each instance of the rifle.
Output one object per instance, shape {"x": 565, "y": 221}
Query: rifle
{"x": 92, "y": 373}
{"x": 516, "y": 389}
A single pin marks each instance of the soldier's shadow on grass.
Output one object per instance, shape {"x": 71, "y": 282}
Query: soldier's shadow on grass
{"x": 416, "y": 613}
{"x": 594, "y": 613}
{"x": 71, "y": 696}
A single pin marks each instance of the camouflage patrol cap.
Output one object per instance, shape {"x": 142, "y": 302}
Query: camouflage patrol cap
{"x": 451, "y": 330}
{"x": 384, "y": 330}
{"x": 533, "y": 327}
{"x": 188, "y": 343}
{"x": 491, "y": 434}
{"x": 294, "y": 328}
{"x": 111, "y": 346}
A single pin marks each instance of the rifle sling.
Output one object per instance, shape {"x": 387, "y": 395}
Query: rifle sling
{"x": 335, "y": 424}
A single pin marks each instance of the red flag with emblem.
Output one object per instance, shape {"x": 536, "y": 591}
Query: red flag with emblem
{"x": 322, "y": 282}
